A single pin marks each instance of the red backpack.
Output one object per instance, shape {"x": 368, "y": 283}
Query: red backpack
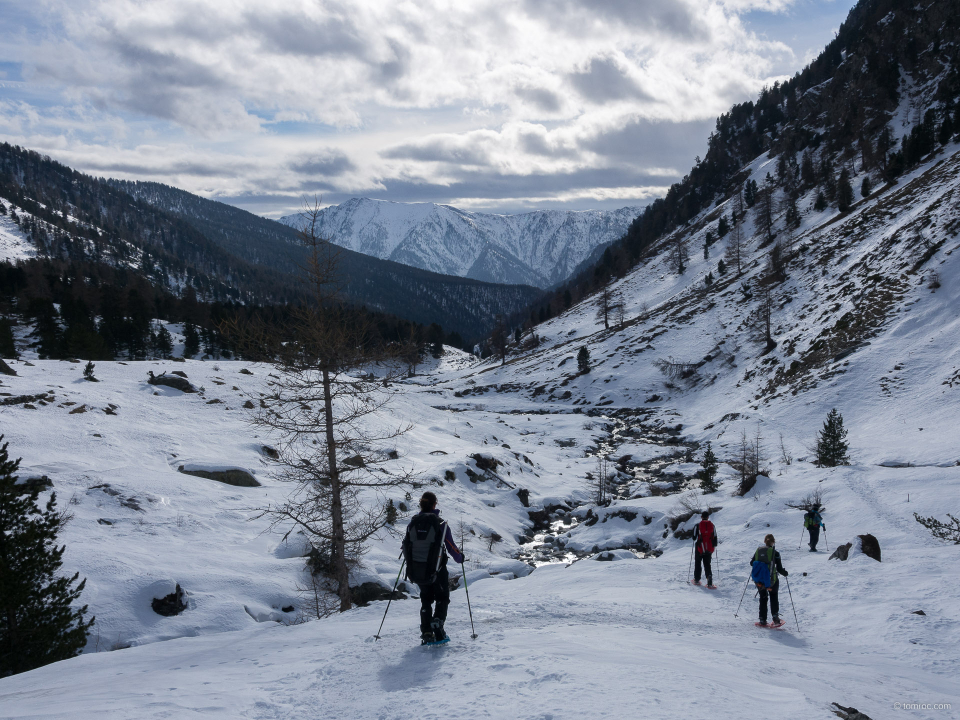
{"x": 705, "y": 543}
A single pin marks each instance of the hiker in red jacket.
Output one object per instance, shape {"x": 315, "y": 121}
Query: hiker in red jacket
{"x": 705, "y": 538}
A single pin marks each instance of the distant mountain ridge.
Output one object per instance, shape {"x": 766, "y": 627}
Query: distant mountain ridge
{"x": 540, "y": 248}
{"x": 468, "y": 306}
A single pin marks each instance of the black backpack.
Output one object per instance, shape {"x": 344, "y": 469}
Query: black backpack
{"x": 423, "y": 548}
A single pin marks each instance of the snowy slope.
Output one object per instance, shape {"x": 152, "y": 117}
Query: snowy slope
{"x": 538, "y": 248}
{"x": 13, "y": 245}
{"x": 591, "y": 639}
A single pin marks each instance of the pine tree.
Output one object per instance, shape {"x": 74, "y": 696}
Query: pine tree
{"x": 831, "y": 442}
{"x": 708, "y": 471}
{"x": 37, "y": 623}
{"x": 583, "y": 360}
{"x": 191, "y": 340}
{"x": 391, "y": 512}
{"x": 7, "y": 347}
{"x": 723, "y": 227}
{"x": 88, "y": 372}
{"x": 821, "y": 202}
{"x": 866, "y": 187}
{"x": 844, "y": 191}
{"x": 163, "y": 343}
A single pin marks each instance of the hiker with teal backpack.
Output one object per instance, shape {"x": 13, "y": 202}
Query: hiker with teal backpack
{"x": 813, "y": 521}
{"x": 766, "y": 567}
{"x": 425, "y": 546}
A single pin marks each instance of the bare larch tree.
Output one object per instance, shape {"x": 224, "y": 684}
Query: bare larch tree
{"x": 325, "y": 416}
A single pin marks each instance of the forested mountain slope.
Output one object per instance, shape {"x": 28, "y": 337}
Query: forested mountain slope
{"x": 224, "y": 254}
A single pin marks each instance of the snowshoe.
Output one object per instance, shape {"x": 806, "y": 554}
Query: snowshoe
{"x": 762, "y": 623}
{"x": 771, "y": 626}
{"x": 439, "y": 642}
{"x": 711, "y": 586}
{"x": 427, "y": 638}
{"x": 695, "y": 582}
{"x": 438, "y": 634}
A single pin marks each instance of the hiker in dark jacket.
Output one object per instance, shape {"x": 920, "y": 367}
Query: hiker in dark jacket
{"x": 705, "y": 541}
{"x": 437, "y": 592}
{"x": 812, "y": 521}
{"x": 768, "y": 554}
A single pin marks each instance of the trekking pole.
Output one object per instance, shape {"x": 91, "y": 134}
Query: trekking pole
{"x": 801, "y": 537}
{"x": 742, "y": 596}
{"x": 717, "y": 551}
{"x": 690, "y": 567}
{"x": 825, "y": 541}
{"x": 472, "y": 629}
{"x": 792, "y": 605}
{"x": 397, "y": 582}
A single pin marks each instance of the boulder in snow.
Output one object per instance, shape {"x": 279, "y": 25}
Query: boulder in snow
{"x": 174, "y": 381}
{"x": 229, "y": 476}
{"x": 842, "y": 552}
{"x": 870, "y": 546}
{"x": 170, "y": 605}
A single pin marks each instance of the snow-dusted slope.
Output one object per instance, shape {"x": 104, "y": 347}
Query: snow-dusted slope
{"x": 13, "y": 244}
{"x": 538, "y": 248}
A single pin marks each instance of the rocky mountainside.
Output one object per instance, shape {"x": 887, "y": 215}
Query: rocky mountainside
{"x": 539, "y": 248}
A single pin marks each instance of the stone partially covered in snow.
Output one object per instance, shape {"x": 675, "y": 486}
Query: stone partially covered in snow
{"x": 613, "y": 555}
{"x": 870, "y": 546}
{"x": 842, "y": 552}
{"x": 174, "y": 381}
{"x": 238, "y": 477}
{"x": 173, "y": 603}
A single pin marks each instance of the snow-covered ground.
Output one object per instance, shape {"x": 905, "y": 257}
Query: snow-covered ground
{"x": 858, "y": 327}
{"x": 13, "y": 245}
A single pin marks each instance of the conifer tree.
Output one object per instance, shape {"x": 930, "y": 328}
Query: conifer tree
{"x": 7, "y": 347}
{"x": 708, "y": 471}
{"x": 37, "y": 623}
{"x": 866, "y": 187}
{"x": 831, "y": 442}
{"x": 844, "y": 191}
{"x": 88, "y": 372}
{"x": 723, "y": 227}
{"x": 583, "y": 360}
{"x": 191, "y": 340}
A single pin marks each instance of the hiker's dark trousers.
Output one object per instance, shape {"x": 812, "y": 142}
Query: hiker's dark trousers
{"x": 814, "y": 536}
{"x": 774, "y": 602}
{"x": 438, "y": 593}
{"x": 704, "y": 559}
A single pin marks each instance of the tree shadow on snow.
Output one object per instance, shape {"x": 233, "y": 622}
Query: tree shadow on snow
{"x": 416, "y": 668}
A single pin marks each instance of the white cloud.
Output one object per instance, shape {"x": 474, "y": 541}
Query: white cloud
{"x": 271, "y": 96}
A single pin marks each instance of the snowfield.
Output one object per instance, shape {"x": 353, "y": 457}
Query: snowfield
{"x": 606, "y": 625}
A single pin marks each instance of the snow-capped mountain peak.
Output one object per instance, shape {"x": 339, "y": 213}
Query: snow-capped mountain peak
{"x": 538, "y": 248}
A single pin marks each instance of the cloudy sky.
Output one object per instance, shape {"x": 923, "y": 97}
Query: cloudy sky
{"x": 498, "y": 105}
